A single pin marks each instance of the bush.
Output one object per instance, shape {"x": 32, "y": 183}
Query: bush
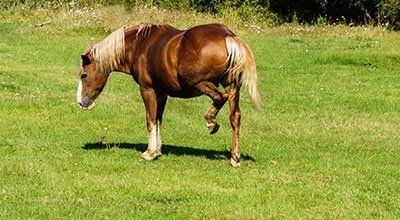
{"x": 304, "y": 11}
{"x": 389, "y": 13}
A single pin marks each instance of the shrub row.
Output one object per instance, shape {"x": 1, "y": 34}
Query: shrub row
{"x": 378, "y": 12}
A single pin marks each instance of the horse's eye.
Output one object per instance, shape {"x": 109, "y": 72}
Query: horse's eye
{"x": 84, "y": 75}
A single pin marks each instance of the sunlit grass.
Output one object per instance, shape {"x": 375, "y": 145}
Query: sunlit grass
{"x": 325, "y": 145}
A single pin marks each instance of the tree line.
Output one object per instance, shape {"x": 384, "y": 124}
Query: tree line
{"x": 358, "y": 12}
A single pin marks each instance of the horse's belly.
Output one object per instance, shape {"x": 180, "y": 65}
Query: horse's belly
{"x": 181, "y": 91}
{"x": 185, "y": 93}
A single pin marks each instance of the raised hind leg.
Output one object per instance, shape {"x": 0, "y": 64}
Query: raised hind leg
{"x": 154, "y": 109}
{"x": 219, "y": 99}
{"x": 211, "y": 115}
{"x": 234, "y": 118}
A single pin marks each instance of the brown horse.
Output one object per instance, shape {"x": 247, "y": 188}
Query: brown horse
{"x": 165, "y": 61}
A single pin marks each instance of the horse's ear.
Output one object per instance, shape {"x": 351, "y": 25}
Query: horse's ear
{"x": 86, "y": 55}
{"x": 85, "y": 59}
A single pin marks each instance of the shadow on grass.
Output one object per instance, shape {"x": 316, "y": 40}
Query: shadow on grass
{"x": 170, "y": 149}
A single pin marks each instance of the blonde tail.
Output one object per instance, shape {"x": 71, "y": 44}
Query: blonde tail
{"x": 242, "y": 68}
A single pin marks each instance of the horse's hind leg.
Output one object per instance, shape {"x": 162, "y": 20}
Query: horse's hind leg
{"x": 235, "y": 123}
{"x": 219, "y": 99}
{"x": 211, "y": 115}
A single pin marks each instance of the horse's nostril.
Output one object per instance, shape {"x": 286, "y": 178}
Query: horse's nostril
{"x": 80, "y": 104}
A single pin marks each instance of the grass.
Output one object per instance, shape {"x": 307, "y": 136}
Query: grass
{"x": 325, "y": 145}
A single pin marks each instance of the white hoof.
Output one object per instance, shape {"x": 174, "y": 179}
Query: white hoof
{"x": 234, "y": 163}
{"x": 149, "y": 156}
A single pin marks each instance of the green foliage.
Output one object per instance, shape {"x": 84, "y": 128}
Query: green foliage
{"x": 347, "y": 11}
{"x": 389, "y": 13}
{"x": 385, "y": 12}
{"x": 249, "y": 10}
{"x": 303, "y": 10}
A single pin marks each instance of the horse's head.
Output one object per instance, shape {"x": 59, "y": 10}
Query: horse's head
{"x": 97, "y": 62}
{"x": 91, "y": 82}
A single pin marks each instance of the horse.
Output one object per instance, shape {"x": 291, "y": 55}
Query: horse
{"x": 165, "y": 61}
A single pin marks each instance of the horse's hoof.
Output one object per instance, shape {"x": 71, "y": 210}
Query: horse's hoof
{"x": 234, "y": 163}
{"x": 213, "y": 128}
{"x": 146, "y": 156}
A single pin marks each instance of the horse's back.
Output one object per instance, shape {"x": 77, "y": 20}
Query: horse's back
{"x": 208, "y": 32}
{"x": 203, "y": 54}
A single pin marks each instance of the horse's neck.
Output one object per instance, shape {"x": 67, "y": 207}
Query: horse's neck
{"x": 131, "y": 36}
{"x": 136, "y": 40}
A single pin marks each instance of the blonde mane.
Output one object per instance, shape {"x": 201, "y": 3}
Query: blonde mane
{"x": 144, "y": 29}
{"x": 109, "y": 53}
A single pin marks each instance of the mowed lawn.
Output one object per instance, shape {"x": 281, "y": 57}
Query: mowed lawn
{"x": 325, "y": 145}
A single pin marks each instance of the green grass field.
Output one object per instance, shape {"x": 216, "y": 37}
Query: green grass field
{"x": 326, "y": 144}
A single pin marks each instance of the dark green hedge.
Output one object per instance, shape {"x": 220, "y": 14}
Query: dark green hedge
{"x": 304, "y": 11}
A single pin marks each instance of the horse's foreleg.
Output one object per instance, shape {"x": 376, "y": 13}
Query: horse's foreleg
{"x": 150, "y": 102}
{"x": 219, "y": 99}
{"x": 235, "y": 123}
{"x": 161, "y": 101}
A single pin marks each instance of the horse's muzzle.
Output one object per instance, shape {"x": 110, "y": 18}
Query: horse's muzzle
{"x": 89, "y": 106}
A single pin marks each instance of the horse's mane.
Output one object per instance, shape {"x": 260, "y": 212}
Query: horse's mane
{"x": 144, "y": 30}
{"x": 109, "y": 53}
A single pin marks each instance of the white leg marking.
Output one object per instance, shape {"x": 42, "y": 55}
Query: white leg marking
{"x": 79, "y": 92}
{"x": 159, "y": 143}
{"x": 152, "y": 152}
{"x": 153, "y": 139}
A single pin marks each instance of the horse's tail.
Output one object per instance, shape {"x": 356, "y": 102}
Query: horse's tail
{"x": 242, "y": 68}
